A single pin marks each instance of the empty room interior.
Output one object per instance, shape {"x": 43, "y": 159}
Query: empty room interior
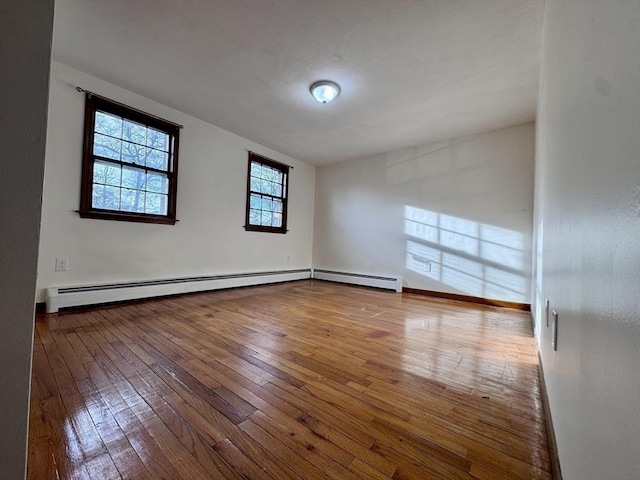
{"x": 320, "y": 239}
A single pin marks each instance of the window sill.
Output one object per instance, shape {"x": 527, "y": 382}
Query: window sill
{"x": 256, "y": 228}
{"x": 127, "y": 217}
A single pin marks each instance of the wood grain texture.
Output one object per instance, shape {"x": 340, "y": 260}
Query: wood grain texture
{"x": 303, "y": 380}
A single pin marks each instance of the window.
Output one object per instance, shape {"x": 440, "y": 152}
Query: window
{"x": 266, "y": 195}
{"x": 130, "y": 164}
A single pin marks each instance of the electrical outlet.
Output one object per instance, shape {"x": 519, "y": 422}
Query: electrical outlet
{"x": 62, "y": 264}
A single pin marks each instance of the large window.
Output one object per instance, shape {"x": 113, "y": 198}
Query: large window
{"x": 266, "y": 195}
{"x": 130, "y": 164}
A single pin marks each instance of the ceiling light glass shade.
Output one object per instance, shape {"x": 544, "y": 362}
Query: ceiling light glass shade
{"x": 324, "y": 91}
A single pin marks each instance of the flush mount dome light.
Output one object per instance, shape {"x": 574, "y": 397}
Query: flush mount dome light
{"x": 324, "y": 91}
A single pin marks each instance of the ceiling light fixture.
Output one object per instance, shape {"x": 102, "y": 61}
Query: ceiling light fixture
{"x": 324, "y": 91}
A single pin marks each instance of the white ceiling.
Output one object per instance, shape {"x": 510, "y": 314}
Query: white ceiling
{"x": 411, "y": 72}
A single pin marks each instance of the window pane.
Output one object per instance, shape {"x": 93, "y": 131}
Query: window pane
{"x": 132, "y": 200}
{"x": 134, "y": 132}
{"x": 105, "y": 197}
{"x": 265, "y": 186}
{"x": 266, "y": 204}
{"x": 256, "y": 170}
{"x": 106, "y": 173}
{"x": 276, "y": 189}
{"x": 108, "y": 124}
{"x": 274, "y": 175}
{"x": 133, "y": 153}
{"x": 277, "y": 206}
{"x": 133, "y": 178}
{"x": 156, "y": 182}
{"x": 106, "y": 146}
{"x": 157, "y": 159}
{"x": 157, "y": 139}
{"x": 255, "y": 202}
{"x": 254, "y": 217}
{"x": 265, "y": 219}
{"x": 277, "y": 220}
{"x": 255, "y": 185}
{"x": 156, "y": 203}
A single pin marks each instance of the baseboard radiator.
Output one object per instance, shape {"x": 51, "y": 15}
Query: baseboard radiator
{"x": 387, "y": 283}
{"x": 62, "y": 297}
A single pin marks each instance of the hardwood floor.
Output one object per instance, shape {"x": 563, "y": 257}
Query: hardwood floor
{"x": 304, "y": 380}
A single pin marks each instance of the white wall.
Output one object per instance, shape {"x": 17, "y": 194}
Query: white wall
{"x": 24, "y": 87}
{"x": 588, "y": 229}
{"x": 463, "y": 205}
{"x": 209, "y": 237}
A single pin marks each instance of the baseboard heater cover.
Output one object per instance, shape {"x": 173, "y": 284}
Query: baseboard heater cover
{"x": 387, "y": 283}
{"x": 62, "y": 297}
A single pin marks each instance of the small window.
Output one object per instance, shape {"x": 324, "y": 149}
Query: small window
{"x": 130, "y": 164}
{"x": 267, "y": 185}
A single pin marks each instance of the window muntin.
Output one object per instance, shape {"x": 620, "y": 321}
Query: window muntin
{"x": 130, "y": 164}
{"x": 267, "y": 185}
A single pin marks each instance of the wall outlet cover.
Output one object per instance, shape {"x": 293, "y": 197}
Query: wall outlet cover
{"x": 62, "y": 264}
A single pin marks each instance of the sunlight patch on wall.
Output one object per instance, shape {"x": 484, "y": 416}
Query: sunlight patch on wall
{"x": 478, "y": 259}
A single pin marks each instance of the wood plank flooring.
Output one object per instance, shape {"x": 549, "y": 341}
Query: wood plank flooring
{"x": 303, "y": 380}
